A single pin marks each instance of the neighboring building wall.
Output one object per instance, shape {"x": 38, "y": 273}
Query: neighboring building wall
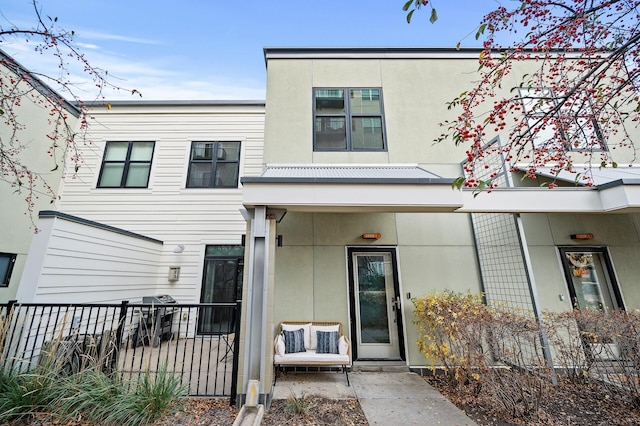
{"x": 167, "y": 210}
{"x": 72, "y": 260}
{"x": 17, "y": 227}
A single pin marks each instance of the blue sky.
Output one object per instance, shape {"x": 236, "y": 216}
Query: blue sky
{"x": 212, "y": 49}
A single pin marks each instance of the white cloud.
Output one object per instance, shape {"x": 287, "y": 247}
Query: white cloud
{"x": 157, "y": 79}
{"x": 95, "y": 35}
{"x": 88, "y": 46}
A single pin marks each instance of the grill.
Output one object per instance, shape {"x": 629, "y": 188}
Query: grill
{"x": 156, "y": 321}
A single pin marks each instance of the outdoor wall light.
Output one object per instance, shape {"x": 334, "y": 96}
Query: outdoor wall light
{"x": 587, "y": 236}
{"x": 371, "y": 236}
{"x": 179, "y": 248}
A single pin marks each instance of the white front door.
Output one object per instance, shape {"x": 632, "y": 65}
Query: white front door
{"x": 376, "y": 305}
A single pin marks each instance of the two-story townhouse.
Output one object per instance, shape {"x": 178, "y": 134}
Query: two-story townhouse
{"x": 27, "y": 126}
{"x": 354, "y": 213}
{"x": 154, "y": 207}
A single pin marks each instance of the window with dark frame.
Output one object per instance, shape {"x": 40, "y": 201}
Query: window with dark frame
{"x": 348, "y": 119}
{"x": 575, "y": 120}
{"x": 214, "y": 165}
{"x": 126, "y": 165}
{"x": 7, "y": 260}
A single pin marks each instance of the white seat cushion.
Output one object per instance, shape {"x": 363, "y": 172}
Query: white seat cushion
{"x": 310, "y": 357}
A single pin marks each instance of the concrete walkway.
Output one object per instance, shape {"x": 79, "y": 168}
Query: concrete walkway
{"x": 387, "y": 398}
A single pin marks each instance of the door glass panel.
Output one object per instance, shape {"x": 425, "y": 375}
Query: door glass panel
{"x": 591, "y": 286}
{"x": 222, "y": 284}
{"x": 372, "y": 296}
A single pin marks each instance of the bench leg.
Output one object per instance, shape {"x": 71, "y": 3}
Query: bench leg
{"x": 275, "y": 374}
{"x": 346, "y": 373}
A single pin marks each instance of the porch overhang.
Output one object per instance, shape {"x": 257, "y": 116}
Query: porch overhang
{"x": 334, "y": 188}
{"x": 386, "y": 189}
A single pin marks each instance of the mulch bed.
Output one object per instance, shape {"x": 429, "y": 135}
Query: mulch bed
{"x": 216, "y": 412}
{"x": 564, "y": 404}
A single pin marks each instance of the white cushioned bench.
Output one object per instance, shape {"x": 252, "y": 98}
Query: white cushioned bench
{"x": 321, "y": 346}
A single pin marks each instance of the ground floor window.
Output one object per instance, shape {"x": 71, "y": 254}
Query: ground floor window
{"x": 221, "y": 283}
{"x": 7, "y": 261}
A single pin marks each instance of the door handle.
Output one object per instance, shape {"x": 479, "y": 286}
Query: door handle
{"x": 396, "y": 303}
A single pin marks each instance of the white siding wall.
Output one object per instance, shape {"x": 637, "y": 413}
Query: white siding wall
{"x": 70, "y": 261}
{"x": 166, "y": 210}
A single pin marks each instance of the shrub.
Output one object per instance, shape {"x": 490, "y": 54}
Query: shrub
{"x": 298, "y": 405}
{"x": 469, "y": 339}
{"x": 451, "y": 332}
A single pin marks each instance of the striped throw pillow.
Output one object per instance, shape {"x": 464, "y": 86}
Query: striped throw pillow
{"x": 293, "y": 341}
{"x": 327, "y": 342}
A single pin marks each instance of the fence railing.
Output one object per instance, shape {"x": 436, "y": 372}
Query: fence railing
{"x": 195, "y": 342}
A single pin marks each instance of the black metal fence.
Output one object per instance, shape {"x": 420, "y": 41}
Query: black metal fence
{"x": 195, "y": 342}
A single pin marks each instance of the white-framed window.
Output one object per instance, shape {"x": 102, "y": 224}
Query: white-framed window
{"x": 348, "y": 119}
{"x": 126, "y": 165}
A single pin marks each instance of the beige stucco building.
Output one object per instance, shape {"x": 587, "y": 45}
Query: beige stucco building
{"x": 370, "y": 219}
{"x": 25, "y": 130}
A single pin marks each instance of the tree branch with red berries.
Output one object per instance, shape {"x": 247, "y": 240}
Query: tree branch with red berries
{"x": 67, "y": 117}
{"x": 576, "y": 110}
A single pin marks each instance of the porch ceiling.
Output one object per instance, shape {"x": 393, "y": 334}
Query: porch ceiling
{"x": 393, "y": 188}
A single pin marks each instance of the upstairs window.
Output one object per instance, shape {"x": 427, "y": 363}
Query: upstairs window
{"x": 572, "y": 123}
{"x": 126, "y": 165}
{"x": 348, "y": 120}
{"x": 7, "y": 260}
{"x": 214, "y": 165}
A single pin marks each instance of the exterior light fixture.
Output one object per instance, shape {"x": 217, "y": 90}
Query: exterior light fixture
{"x": 371, "y": 236}
{"x": 587, "y": 236}
{"x": 179, "y": 248}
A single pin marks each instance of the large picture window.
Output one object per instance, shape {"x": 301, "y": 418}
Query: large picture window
{"x": 348, "y": 120}
{"x": 214, "y": 165}
{"x": 7, "y": 261}
{"x": 126, "y": 165}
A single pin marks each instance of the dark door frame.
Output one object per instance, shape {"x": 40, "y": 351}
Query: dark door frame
{"x": 352, "y": 299}
{"x": 608, "y": 264}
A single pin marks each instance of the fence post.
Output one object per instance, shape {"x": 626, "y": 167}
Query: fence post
{"x": 236, "y": 351}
